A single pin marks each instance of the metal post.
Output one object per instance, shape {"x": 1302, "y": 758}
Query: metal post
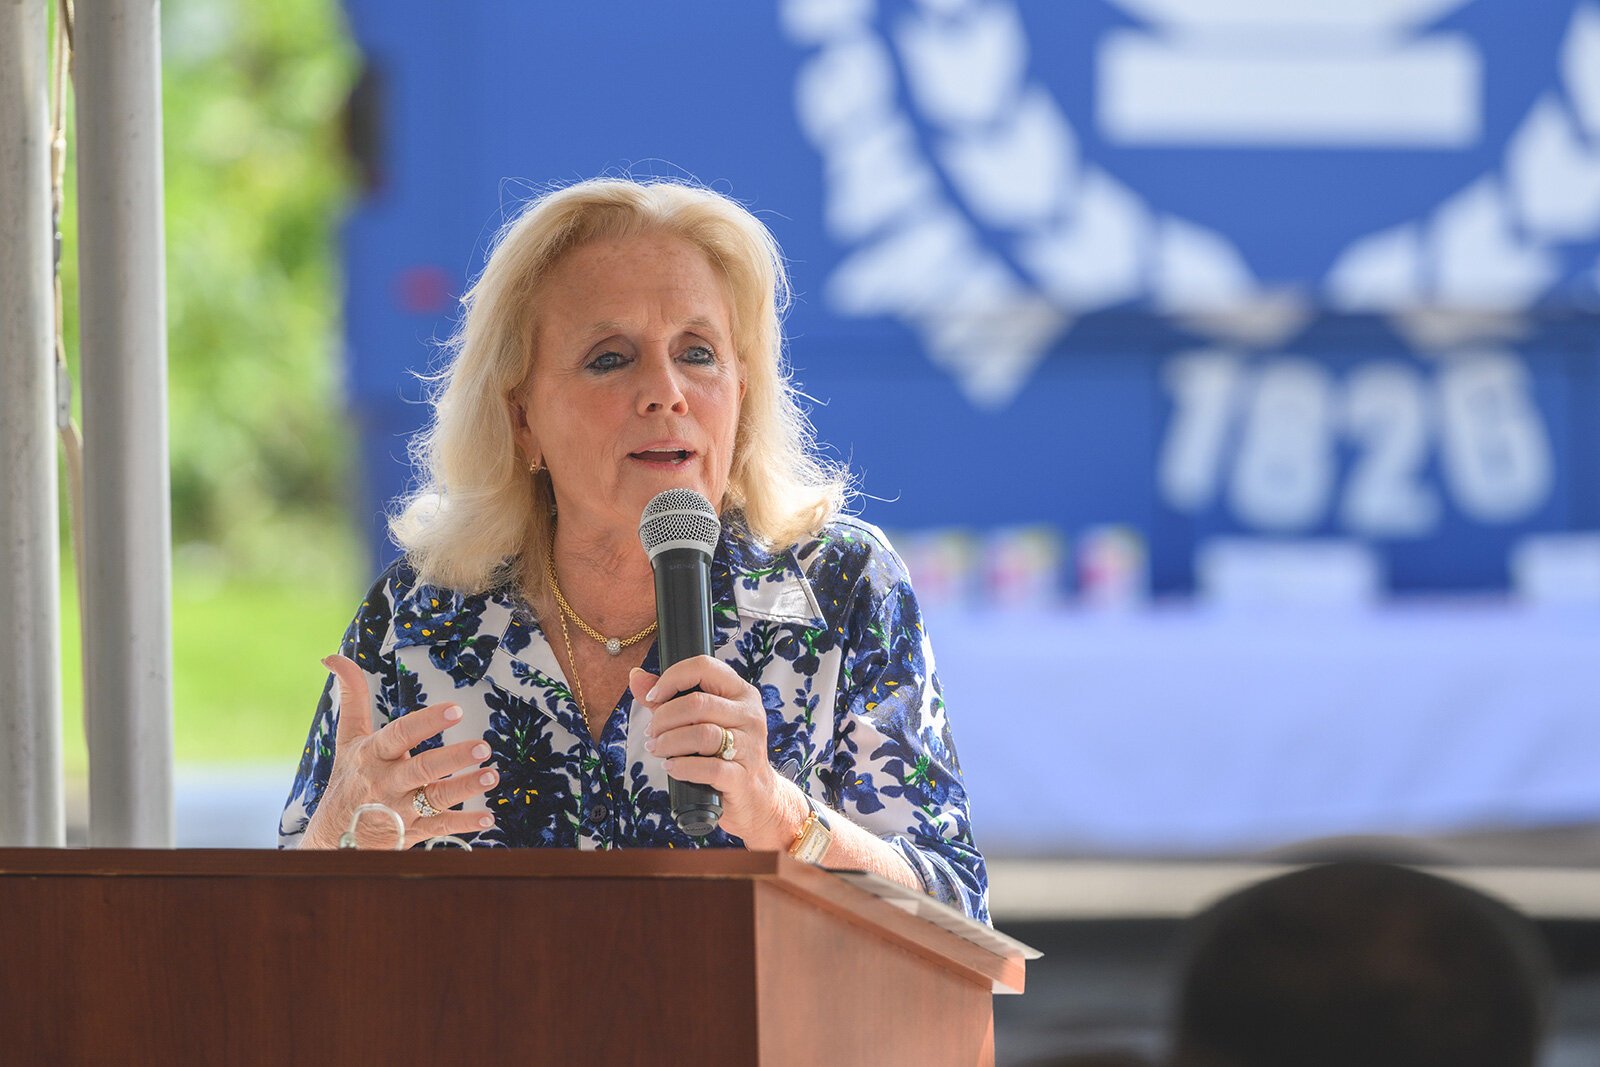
{"x": 127, "y": 508}
{"x": 31, "y": 809}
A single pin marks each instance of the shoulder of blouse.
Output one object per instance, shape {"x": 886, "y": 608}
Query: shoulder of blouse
{"x": 422, "y": 614}
{"x": 851, "y": 560}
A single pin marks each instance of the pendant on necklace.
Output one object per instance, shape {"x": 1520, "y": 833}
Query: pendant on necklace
{"x": 613, "y": 646}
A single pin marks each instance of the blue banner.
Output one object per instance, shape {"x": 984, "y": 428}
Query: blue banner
{"x": 1186, "y": 270}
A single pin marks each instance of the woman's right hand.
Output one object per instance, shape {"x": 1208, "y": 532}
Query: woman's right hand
{"x": 376, "y": 767}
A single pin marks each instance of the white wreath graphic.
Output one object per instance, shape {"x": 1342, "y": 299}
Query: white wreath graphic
{"x": 1075, "y": 239}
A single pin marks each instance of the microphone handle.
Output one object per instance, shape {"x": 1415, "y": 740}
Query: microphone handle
{"x": 683, "y": 621}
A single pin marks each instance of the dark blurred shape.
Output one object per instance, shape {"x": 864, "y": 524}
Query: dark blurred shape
{"x": 1362, "y": 848}
{"x": 1098, "y": 1058}
{"x": 364, "y": 129}
{"x": 1361, "y": 965}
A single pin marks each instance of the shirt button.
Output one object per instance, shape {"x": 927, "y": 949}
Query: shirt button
{"x": 599, "y": 812}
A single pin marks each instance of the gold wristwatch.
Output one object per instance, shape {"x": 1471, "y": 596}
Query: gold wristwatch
{"x": 814, "y": 837}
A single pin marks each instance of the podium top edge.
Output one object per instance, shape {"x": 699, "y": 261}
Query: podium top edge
{"x": 847, "y": 894}
{"x": 351, "y": 863}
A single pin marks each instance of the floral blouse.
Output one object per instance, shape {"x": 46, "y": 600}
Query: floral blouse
{"x": 829, "y": 632}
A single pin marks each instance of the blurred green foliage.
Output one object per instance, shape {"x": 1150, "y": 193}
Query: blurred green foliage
{"x": 266, "y": 568}
{"x": 255, "y": 185}
{"x": 246, "y": 670}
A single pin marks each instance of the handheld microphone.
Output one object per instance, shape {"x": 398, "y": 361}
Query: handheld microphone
{"x": 679, "y": 530}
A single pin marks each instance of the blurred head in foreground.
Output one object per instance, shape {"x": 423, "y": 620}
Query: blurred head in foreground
{"x": 1361, "y": 965}
{"x": 1099, "y": 1058}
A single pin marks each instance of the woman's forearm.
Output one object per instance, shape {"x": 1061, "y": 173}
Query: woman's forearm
{"x": 853, "y": 847}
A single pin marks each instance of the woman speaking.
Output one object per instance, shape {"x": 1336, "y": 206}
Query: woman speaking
{"x": 501, "y": 682}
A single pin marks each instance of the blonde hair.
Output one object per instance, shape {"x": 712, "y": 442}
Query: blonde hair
{"x": 479, "y": 519}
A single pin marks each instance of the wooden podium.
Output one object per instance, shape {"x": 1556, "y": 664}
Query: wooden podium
{"x": 494, "y": 956}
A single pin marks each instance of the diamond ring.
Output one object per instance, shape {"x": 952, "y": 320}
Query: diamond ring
{"x": 725, "y": 750}
{"x": 419, "y": 800}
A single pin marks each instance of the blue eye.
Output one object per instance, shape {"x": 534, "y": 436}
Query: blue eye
{"x": 700, "y": 354}
{"x": 608, "y": 361}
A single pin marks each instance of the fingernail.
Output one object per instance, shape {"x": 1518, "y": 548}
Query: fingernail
{"x": 487, "y": 778}
{"x": 649, "y": 743}
{"x": 452, "y": 713}
{"x": 327, "y": 661}
{"x": 649, "y": 727}
{"x": 650, "y": 697}
{"x": 480, "y": 751}
{"x": 486, "y": 822}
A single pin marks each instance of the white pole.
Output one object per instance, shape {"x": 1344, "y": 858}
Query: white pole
{"x": 31, "y": 809}
{"x": 123, "y": 339}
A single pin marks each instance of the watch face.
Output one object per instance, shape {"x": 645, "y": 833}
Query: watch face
{"x": 813, "y": 842}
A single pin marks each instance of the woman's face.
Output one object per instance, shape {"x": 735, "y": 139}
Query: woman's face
{"x": 635, "y": 386}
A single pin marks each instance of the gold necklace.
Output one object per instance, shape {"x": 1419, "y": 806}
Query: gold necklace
{"x": 613, "y": 645}
{"x": 577, "y": 683}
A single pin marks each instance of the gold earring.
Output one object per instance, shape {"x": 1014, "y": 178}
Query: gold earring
{"x": 534, "y": 467}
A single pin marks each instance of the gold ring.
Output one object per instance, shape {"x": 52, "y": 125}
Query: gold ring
{"x": 419, "y": 800}
{"x": 725, "y": 750}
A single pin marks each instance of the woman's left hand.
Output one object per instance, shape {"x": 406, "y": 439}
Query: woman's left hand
{"x": 759, "y": 806}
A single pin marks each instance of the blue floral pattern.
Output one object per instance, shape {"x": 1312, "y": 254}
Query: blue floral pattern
{"x": 828, "y": 632}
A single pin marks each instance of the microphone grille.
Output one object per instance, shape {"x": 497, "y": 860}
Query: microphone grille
{"x": 679, "y": 518}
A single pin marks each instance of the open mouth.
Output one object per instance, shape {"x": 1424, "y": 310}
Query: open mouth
{"x": 668, "y": 457}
